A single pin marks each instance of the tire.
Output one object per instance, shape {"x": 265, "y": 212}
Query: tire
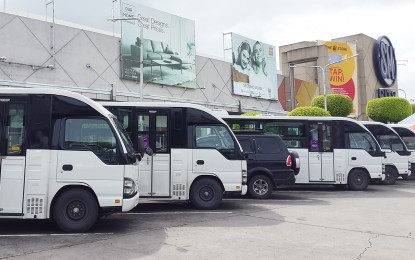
{"x": 206, "y": 194}
{"x": 391, "y": 175}
{"x": 75, "y": 210}
{"x": 358, "y": 179}
{"x": 260, "y": 187}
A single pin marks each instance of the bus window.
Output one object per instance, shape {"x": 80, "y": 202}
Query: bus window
{"x": 161, "y": 134}
{"x": 361, "y": 141}
{"x": 390, "y": 142}
{"x": 292, "y": 133}
{"x": 15, "y": 130}
{"x": 216, "y": 137}
{"x": 91, "y": 134}
{"x": 143, "y": 124}
{"x": 313, "y": 133}
{"x": 407, "y": 136}
{"x": 327, "y": 140}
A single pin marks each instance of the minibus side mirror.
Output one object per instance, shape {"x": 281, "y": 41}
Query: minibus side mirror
{"x": 149, "y": 151}
{"x": 247, "y": 155}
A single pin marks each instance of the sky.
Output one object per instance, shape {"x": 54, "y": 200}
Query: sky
{"x": 275, "y": 22}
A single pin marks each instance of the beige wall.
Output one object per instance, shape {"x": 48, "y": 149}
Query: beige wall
{"x": 314, "y": 53}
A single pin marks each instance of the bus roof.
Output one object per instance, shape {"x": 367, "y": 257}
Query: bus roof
{"x": 310, "y": 118}
{"x": 163, "y": 105}
{"x": 49, "y": 91}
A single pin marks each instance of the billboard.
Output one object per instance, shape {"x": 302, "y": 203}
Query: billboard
{"x": 343, "y": 74}
{"x": 168, "y": 43}
{"x": 254, "y": 70}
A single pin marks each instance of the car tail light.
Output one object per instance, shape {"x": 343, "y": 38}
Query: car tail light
{"x": 288, "y": 162}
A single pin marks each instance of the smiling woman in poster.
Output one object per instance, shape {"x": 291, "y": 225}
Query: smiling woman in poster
{"x": 260, "y": 84}
{"x": 241, "y": 68}
{"x": 258, "y": 62}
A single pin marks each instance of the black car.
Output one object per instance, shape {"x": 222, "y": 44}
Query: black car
{"x": 270, "y": 164}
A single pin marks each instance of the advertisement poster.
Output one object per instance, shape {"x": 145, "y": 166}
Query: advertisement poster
{"x": 254, "y": 70}
{"x": 343, "y": 75}
{"x": 169, "y": 50}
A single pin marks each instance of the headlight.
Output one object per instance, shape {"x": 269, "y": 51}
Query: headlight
{"x": 130, "y": 188}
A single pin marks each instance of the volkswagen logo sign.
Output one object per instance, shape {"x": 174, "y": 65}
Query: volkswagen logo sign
{"x": 384, "y": 61}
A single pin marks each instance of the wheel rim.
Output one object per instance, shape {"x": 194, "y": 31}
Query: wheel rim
{"x": 260, "y": 187}
{"x": 76, "y": 210}
{"x": 206, "y": 193}
{"x": 359, "y": 179}
{"x": 388, "y": 176}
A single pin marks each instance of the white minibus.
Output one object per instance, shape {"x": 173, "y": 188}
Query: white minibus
{"x": 406, "y": 132}
{"x": 196, "y": 155}
{"x": 398, "y": 158}
{"x": 63, "y": 157}
{"x": 332, "y": 150}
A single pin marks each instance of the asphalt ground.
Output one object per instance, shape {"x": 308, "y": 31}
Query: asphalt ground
{"x": 300, "y": 222}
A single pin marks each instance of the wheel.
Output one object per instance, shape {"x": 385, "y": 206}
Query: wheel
{"x": 391, "y": 175}
{"x": 206, "y": 194}
{"x": 75, "y": 210}
{"x": 358, "y": 180}
{"x": 260, "y": 187}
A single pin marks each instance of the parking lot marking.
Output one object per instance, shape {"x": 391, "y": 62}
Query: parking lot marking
{"x": 177, "y": 212}
{"x": 407, "y": 190}
{"x": 49, "y": 235}
{"x": 273, "y": 200}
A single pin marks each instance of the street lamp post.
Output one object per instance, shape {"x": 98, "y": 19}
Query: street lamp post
{"x": 323, "y": 70}
{"x": 141, "y": 48}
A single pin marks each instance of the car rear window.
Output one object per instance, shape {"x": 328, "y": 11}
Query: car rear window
{"x": 267, "y": 145}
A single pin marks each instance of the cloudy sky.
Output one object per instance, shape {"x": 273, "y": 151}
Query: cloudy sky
{"x": 275, "y": 22}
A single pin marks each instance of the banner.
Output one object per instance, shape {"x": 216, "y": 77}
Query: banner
{"x": 168, "y": 43}
{"x": 343, "y": 75}
{"x": 254, "y": 70}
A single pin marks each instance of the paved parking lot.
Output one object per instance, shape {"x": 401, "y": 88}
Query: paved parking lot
{"x": 303, "y": 222}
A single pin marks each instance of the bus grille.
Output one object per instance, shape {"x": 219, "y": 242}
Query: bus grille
{"x": 340, "y": 178}
{"x": 179, "y": 190}
{"x": 35, "y": 206}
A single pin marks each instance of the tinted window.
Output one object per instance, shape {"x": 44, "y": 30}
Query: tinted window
{"x": 15, "y": 129}
{"x": 161, "y": 134}
{"x": 292, "y": 133}
{"x": 267, "y": 145}
{"x": 246, "y": 145}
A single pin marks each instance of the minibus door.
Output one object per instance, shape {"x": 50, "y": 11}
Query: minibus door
{"x": 321, "y": 160}
{"x": 154, "y": 170}
{"x": 13, "y": 155}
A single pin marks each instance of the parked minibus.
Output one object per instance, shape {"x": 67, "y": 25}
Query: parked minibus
{"x": 196, "y": 155}
{"x": 398, "y": 158}
{"x": 63, "y": 157}
{"x": 406, "y": 132}
{"x": 332, "y": 150}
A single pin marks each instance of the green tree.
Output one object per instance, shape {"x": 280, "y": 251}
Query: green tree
{"x": 337, "y": 105}
{"x": 308, "y": 111}
{"x": 251, "y": 113}
{"x": 413, "y": 108}
{"x": 388, "y": 109}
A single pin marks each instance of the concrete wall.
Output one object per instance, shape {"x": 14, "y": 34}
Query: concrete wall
{"x": 314, "y": 53}
{"x": 88, "y": 61}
